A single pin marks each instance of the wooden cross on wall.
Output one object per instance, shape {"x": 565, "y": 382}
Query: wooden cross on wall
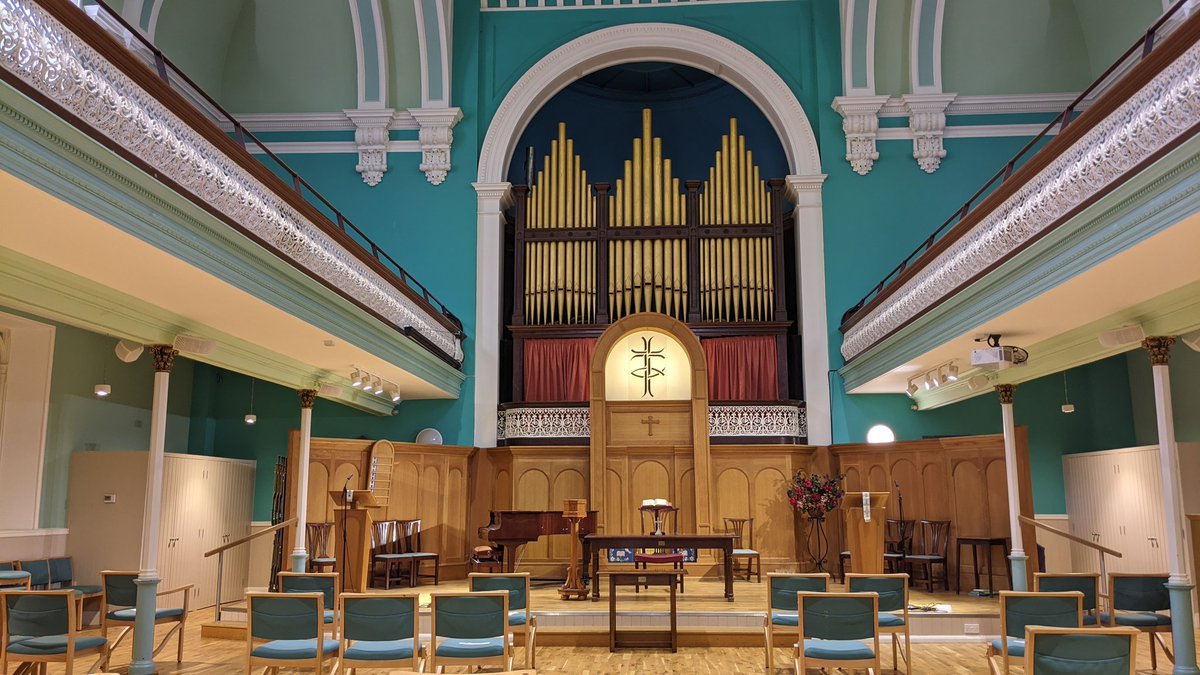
{"x": 650, "y": 422}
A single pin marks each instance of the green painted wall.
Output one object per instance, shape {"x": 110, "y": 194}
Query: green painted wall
{"x": 196, "y": 36}
{"x": 78, "y": 421}
{"x": 1103, "y": 420}
{"x": 892, "y": 47}
{"x": 1185, "y": 394}
{"x": 1109, "y": 27}
{"x": 404, "y": 53}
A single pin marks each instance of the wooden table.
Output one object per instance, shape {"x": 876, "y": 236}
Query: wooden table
{"x": 642, "y": 638}
{"x": 987, "y": 543}
{"x": 594, "y": 543}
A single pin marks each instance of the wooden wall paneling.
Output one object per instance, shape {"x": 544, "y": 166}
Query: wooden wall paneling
{"x": 568, "y": 484}
{"x": 997, "y": 489}
{"x": 533, "y": 494}
{"x": 454, "y": 526}
{"x": 774, "y": 518}
{"x": 406, "y": 488}
{"x": 686, "y": 501}
{"x": 615, "y": 497}
{"x": 732, "y": 497}
{"x": 934, "y": 504}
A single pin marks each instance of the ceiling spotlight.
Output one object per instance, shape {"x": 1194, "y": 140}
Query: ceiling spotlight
{"x": 396, "y": 396}
{"x": 356, "y": 379}
{"x": 938, "y": 378}
{"x": 251, "y": 418}
{"x": 928, "y": 382}
{"x": 377, "y": 385}
{"x": 952, "y": 373}
{"x": 381, "y": 391}
{"x": 102, "y": 390}
{"x": 912, "y": 389}
{"x": 366, "y": 384}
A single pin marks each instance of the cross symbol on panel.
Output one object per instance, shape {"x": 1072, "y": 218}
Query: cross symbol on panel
{"x": 650, "y": 422}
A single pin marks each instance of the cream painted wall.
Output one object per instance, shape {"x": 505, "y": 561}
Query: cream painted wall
{"x": 258, "y": 574}
{"x": 28, "y": 357}
{"x": 1058, "y": 549}
{"x": 33, "y": 545}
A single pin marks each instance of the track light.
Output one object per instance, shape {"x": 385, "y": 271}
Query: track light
{"x": 952, "y": 372}
{"x": 928, "y": 382}
{"x": 912, "y": 389}
{"x": 366, "y": 384}
{"x": 396, "y": 396}
{"x": 356, "y": 379}
{"x": 377, "y": 385}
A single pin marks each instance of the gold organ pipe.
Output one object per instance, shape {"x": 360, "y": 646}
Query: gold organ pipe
{"x": 657, "y": 182}
{"x": 561, "y": 168}
{"x": 638, "y": 183}
{"x": 628, "y": 209}
{"x": 647, "y": 175}
{"x": 569, "y": 185}
{"x": 735, "y": 174}
{"x": 743, "y": 184}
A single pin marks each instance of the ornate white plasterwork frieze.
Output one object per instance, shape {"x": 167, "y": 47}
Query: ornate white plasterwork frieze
{"x": 371, "y": 140}
{"x": 731, "y": 420}
{"x": 435, "y": 137}
{"x": 539, "y": 422}
{"x": 860, "y": 122}
{"x": 1157, "y": 114}
{"x": 45, "y": 55}
{"x": 927, "y": 121}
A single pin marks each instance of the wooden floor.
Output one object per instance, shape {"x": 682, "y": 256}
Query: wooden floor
{"x": 203, "y": 656}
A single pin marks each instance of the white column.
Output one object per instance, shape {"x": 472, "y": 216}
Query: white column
{"x": 805, "y": 193}
{"x": 147, "y": 581}
{"x": 300, "y": 552}
{"x": 1179, "y": 585}
{"x": 492, "y": 199}
{"x": 1018, "y": 557}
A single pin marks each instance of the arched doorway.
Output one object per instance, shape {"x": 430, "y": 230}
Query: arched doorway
{"x": 670, "y": 43}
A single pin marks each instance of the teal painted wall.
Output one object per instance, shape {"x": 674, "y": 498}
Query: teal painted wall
{"x": 196, "y": 37}
{"x": 1103, "y": 420}
{"x": 78, "y": 421}
{"x": 1185, "y": 394}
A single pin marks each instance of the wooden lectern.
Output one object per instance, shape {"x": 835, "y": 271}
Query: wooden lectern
{"x": 355, "y": 524}
{"x": 864, "y": 539}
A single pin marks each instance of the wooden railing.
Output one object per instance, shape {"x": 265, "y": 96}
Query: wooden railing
{"x": 220, "y": 553}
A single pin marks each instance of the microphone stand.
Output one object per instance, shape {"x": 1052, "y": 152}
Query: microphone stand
{"x": 348, "y": 496}
{"x": 903, "y": 540}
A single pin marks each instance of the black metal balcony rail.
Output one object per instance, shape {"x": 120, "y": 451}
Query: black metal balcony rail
{"x": 1019, "y": 169}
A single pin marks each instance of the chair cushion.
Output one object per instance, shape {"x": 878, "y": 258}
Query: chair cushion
{"x": 381, "y": 650}
{"x": 785, "y": 618}
{"x": 744, "y": 551}
{"x": 516, "y": 617}
{"x": 837, "y": 650}
{"x": 475, "y": 648}
{"x": 14, "y": 639}
{"x": 927, "y": 558}
{"x": 1139, "y": 619}
{"x": 658, "y": 557}
{"x": 889, "y": 620}
{"x": 53, "y": 644}
{"x": 389, "y": 556}
{"x": 1016, "y": 646}
{"x": 294, "y": 649}
{"x": 85, "y": 590}
{"x": 130, "y": 613}
{"x": 1091, "y": 619}
{"x": 329, "y": 616}
{"x": 419, "y": 556}
{"x": 13, "y": 575}
{"x": 326, "y": 561}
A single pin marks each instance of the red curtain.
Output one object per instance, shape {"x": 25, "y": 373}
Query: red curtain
{"x": 742, "y": 368}
{"x": 557, "y": 370}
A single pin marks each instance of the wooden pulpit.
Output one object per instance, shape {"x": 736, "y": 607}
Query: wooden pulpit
{"x": 353, "y": 518}
{"x": 866, "y": 523}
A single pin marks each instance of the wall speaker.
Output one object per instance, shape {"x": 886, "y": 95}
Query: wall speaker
{"x": 1119, "y": 337}
{"x": 195, "y": 345}
{"x": 329, "y": 390}
{"x": 128, "y": 350}
{"x": 1192, "y": 340}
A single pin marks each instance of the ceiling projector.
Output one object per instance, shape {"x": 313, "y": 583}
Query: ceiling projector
{"x": 999, "y": 357}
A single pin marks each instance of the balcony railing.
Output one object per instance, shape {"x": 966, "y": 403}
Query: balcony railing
{"x": 100, "y": 73}
{"x": 1142, "y": 107}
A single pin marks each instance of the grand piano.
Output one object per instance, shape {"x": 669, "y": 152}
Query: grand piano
{"x": 510, "y": 529}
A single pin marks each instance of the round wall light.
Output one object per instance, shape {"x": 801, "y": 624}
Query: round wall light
{"x": 881, "y": 433}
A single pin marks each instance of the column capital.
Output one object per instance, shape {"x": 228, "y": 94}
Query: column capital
{"x": 307, "y": 397}
{"x": 164, "y": 357}
{"x": 1159, "y": 348}
{"x": 1006, "y": 393}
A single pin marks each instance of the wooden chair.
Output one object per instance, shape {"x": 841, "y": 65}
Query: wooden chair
{"x": 39, "y": 627}
{"x": 12, "y": 576}
{"x": 62, "y": 576}
{"x": 385, "y": 544}
{"x": 379, "y": 631}
{"x": 898, "y": 544}
{"x": 39, "y": 573}
{"x": 120, "y": 591}
{"x": 520, "y": 618}
{"x": 409, "y": 533}
{"x": 1070, "y": 651}
{"x": 1137, "y": 601}
{"x": 659, "y": 556}
{"x": 1018, "y": 610}
{"x": 742, "y": 530}
{"x": 1087, "y": 583}
{"x": 833, "y": 644}
{"x": 892, "y": 590}
{"x": 287, "y": 630}
{"x": 325, "y": 583}
{"x": 316, "y": 538}
{"x": 935, "y": 542}
{"x": 782, "y": 616}
{"x": 469, "y": 629}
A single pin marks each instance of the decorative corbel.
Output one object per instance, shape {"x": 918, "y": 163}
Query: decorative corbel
{"x": 371, "y": 139}
{"x": 927, "y": 122}
{"x": 860, "y": 122}
{"x": 435, "y": 138}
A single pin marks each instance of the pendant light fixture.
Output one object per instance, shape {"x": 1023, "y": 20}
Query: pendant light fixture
{"x": 251, "y": 418}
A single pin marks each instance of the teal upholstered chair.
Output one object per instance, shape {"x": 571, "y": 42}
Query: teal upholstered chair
{"x": 325, "y": 583}
{"x": 520, "y": 619}
{"x": 1071, "y": 651}
{"x": 469, "y": 629}
{"x": 1139, "y": 600}
{"x": 117, "y": 610}
{"x": 781, "y": 606}
{"x": 833, "y": 628}
{"x": 11, "y": 577}
{"x": 379, "y": 631}
{"x": 1019, "y": 609}
{"x": 1087, "y": 583}
{"x": 287, "y": 630}
{"x": 40, "y": 627}
{"x": 62, "y": 576}
{"x": 892, "y": 590}
{"x": 39, "y": 573}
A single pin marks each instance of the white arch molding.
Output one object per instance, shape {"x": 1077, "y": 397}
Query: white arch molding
{"x": 672, "y": 43}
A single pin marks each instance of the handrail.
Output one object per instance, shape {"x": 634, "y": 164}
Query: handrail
{"x": 310, "y": 202}
{"x": 1068, "y": 535}
{"x": 897, "y": 275}
{"x": 249, "y": 537}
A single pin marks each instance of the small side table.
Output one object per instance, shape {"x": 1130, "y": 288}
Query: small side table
{"x": 642, "y": 638}
{"x": 988, "y": 543}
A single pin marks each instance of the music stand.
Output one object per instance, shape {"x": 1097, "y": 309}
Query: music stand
{"x": 359, "y": 501}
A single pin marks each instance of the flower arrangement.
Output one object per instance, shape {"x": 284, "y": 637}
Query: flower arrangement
{"x": 815, "y": 495}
